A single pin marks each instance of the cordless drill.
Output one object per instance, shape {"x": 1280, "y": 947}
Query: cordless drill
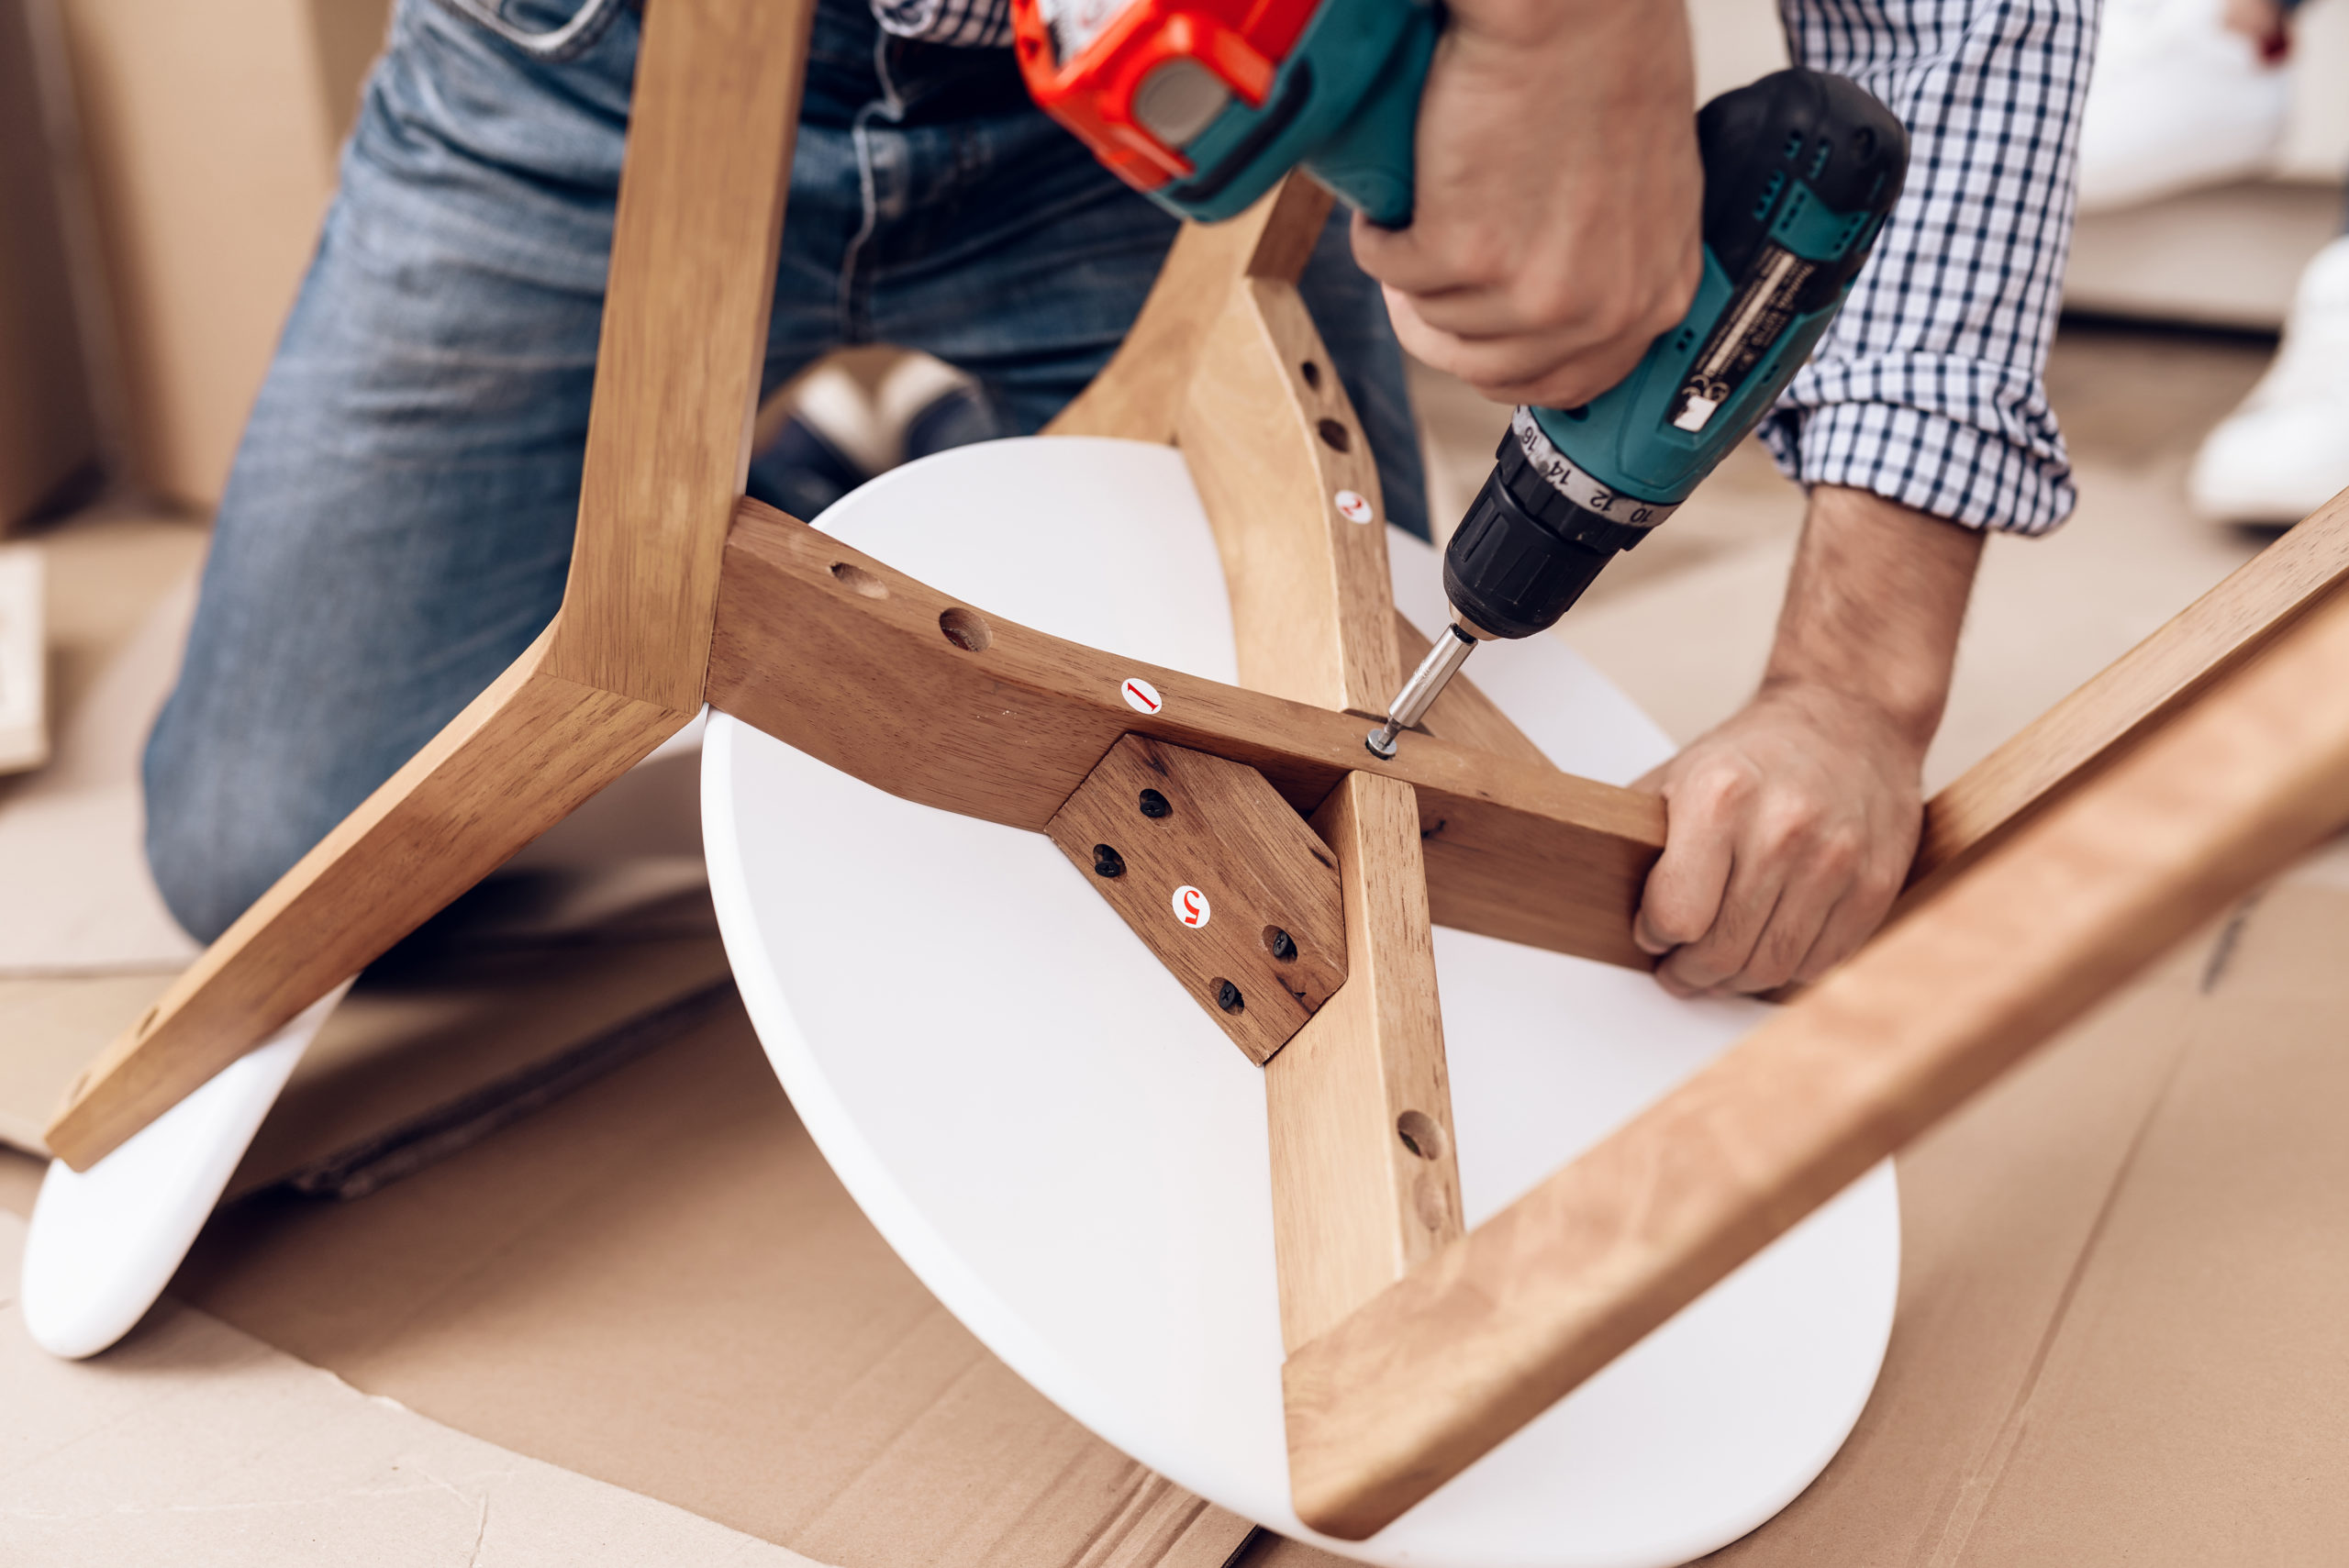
{"x": 1207, "y": 104}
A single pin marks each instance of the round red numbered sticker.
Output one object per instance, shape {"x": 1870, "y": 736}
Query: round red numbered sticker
{"x": 1190, "y": 906}
{"x": 1141, "y": 695}
{"x": 1353, "y": 506}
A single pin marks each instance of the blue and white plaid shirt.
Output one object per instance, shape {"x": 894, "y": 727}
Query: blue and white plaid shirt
{"x": 1928, "y": 388}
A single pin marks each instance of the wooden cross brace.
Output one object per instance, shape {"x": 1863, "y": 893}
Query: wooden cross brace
{"x": 2192, "y": 769}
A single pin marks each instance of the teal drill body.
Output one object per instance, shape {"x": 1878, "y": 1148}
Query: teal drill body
{"x": 1801, "y": 169}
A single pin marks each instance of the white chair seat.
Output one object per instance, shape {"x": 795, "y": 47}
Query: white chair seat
{"x": 1072, "y": 1156}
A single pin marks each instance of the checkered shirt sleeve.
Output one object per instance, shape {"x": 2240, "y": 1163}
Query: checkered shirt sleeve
{"x": 971, "y": 23}
{"x": 1928, "y": 388}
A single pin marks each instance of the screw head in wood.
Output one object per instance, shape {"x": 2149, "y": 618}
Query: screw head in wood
{"x": 1154, "y": 805}
{"x": 1279, "y": 943}
{"x": 1107, "y": 861}
{"x": 1228, "y": 998}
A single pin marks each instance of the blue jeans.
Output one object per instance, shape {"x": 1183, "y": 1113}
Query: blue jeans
{"x": 398, "y": 521}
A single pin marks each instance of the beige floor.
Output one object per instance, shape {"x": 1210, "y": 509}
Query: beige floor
{"x": 197, "y": 1445}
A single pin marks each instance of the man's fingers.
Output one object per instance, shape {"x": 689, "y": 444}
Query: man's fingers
{"x": 1513, "y": 368}
{"x": 1469, "y": 335}
{"x": 1823, "y": 855}
{"x": 1404, "y": 258}
{"x": 1712, "y": 959}
{"x": 1684, "y": 889}
{"x": 1802, "y": 911}
{"x": 1854, "y": 918}
{"x": 1792, "y": 864}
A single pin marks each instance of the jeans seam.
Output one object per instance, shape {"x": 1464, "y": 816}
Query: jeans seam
{"x": 553, "y": 46}
{"x": 868, "y": 193}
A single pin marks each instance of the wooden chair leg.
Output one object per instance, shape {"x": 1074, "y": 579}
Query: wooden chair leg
{"x": 1434, "y": 1372}
{"x": 1365, "y": 1179}
{"x": 1291, "y": 488}
{"x": 1366, "y": 1183}
{"x": 515, "y": 762}
{"x": 700, "y": 217}
{"x": 1138, "y": 394}
{"x": 2135, "y": 697}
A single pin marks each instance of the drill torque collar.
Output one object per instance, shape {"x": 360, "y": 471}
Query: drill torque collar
{"x": 1573, "y": 504}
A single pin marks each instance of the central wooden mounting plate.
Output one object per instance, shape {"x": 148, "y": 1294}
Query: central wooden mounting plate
{"x": 1219, "y": 877}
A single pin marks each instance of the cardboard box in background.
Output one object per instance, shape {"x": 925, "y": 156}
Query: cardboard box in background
{"x": 210, "y": 133}
{"x": 48, "y": 434}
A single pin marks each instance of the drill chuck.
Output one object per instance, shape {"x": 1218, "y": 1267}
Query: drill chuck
{"x": 1536, "y": 536}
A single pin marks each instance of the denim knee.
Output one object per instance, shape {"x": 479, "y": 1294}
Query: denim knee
{"x": 211, "y": 853}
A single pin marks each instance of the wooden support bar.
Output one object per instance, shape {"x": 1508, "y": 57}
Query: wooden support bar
{"x": 1413, "y": 1388}
{"x": 515, "y": 762}
{"x": 885, "y": 678}
{"x": 1291, "y": 489}
{"x": 711, "y": 123}
{"x": 1365, "y": 1179}
{"x": 1220, "y": 879}
{"x": 2135, "y": 696}
{"x": 1140, "y": 393}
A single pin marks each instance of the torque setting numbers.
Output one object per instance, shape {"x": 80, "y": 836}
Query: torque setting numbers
{"x": 1190, "y": 906}
{"x": 1142, "y": 697}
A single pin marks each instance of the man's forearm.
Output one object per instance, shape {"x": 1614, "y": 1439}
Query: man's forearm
{"x": 1874, "y": 607}
{"x": 1791, "y": 824}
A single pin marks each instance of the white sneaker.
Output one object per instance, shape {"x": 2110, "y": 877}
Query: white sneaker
{"x": 2177, "y": 100}
{"x": 2286, "y": 451}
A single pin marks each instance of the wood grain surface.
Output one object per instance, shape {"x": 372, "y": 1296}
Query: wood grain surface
{"x": 520, "y": 759}
{"x": 1170, "y": 818}
{"x": 1277, "y": 452}
{"x": 700, "y": 213}
{"x": 1140, "y": 392}
{"x": 1365, "y": 1174}
{"x": 854, "y": 667}
{"x": 1435, "y": 1371}
{"x": 711, "y": 125}
{"x": 2135, "y": 696}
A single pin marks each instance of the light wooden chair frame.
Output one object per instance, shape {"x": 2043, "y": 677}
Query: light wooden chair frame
{"x": 2192, "y": 769}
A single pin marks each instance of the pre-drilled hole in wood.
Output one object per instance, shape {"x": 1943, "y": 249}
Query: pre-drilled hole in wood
{"x": 966, "y": 630}
{"x": 1334, "y": 436}
{"x": 856, "y": 579}
{"x": 1312, "y": 374}
{"x": 1107, "y": 861}
{"x": 1153, "y": 805}
{"x": 1279, "y": 943}
{"x": 1227, "y": 997}
{"x": 1420, "y": 1134}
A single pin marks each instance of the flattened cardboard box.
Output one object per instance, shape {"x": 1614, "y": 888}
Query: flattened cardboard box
{"x": 48, "y": 431}
{"x": 2120, "y": 1336}
{"x": 211, "y": 134}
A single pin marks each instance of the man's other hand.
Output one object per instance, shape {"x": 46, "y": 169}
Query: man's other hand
{"x": 1790, "y": 827}
{"x": 1556, "y": 230}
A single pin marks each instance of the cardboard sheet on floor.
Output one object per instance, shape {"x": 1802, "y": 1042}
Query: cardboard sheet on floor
{"x": 658, "y": 1282}
{"x": 2120, "y": 1338}
{"x": 77, "y": 898}
{"x": 201, "y": 1447}
{"x": 442, "y": 1045}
